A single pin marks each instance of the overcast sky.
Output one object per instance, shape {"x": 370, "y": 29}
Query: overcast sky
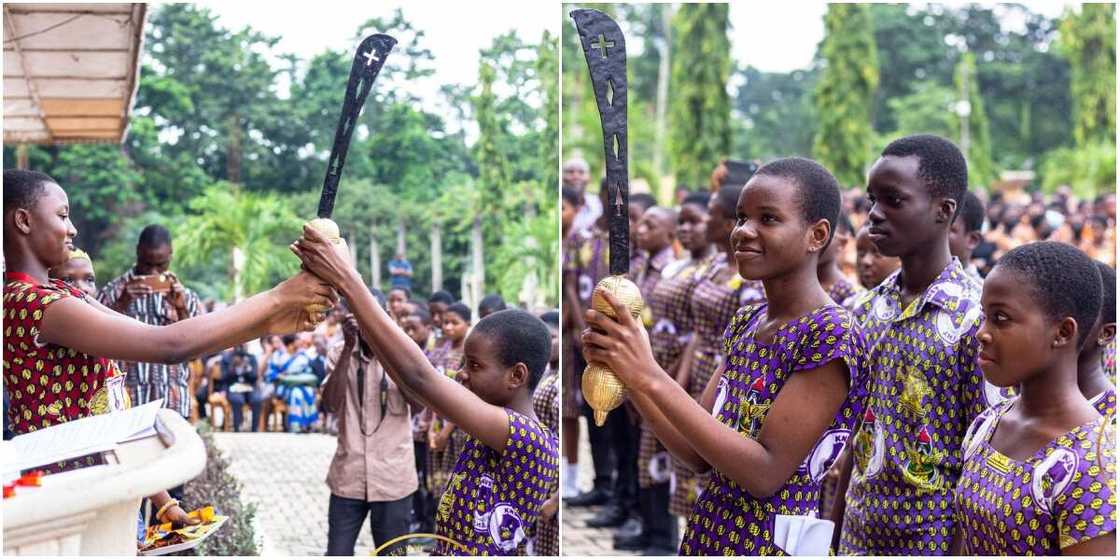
{"x": 454, "y": 31}
{"x": 783, "y": 36}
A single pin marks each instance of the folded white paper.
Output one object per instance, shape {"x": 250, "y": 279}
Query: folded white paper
{"x": 802, "y": 535}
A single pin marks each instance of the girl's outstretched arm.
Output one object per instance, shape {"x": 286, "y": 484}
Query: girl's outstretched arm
{"x": 400, "y": 355}
{"x": 92, "y": 329}
{"x": 798, "y": 417}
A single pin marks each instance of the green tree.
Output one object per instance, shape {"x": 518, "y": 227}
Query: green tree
{"x": 845, "y": 92}
{"x": 243, "y": 232}
{"x": 699, "y": 108}
{"x": 776, "y": 112}
{"x": 979, "y": 149}
{"x": 1088, "y": 41}
{"x": 547, "y": 69}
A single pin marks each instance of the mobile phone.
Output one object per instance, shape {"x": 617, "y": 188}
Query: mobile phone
{"x": 157, "y": 282}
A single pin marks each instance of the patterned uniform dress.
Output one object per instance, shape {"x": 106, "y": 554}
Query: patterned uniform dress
{"x": 49, "y": 384}
{"x": 672, "y": 327}
{"x": 712, "y": 307}
{"x": 149, "y": 382}
{"x": 1062, "y": 495}
{"x": 493, "y": 500}
{"x": 546, "y": 405}
{"x": 1105, "y": 403}
{"x": 925, "y": 389}
{"x": 585, "y": 260}
{"x": 842, "y": 290}
{"x": 728, "y": 520}
{"x": 447, "y": 361}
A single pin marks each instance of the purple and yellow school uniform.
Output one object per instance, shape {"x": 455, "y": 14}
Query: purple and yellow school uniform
{"x": 1062, "y": 495}
{"x": 713, "y": 305}
{"x": 493, "y": 500}
{"x": 925, "y": 388}
{"x": 727, "y": 519}
{"x": 842, "y": 290}
{"x": 672, "y": 328}
{"x": 446, "y": 360}
{"x": 1105, "y": 403}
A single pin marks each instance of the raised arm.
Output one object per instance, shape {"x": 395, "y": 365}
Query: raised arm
{"x": 799, "y": 415}
{"x": 75, "y": 324}
{"x": 400, "y": 355}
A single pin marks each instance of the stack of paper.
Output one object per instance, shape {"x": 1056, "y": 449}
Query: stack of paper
{"x": 81, "y": 437}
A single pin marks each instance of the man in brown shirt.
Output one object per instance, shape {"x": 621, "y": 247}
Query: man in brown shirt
{"x": 373, "y": 471}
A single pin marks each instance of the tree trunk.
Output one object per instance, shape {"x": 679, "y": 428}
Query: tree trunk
{"x": 21, "y": 156}
{"x": 476, "y": 257}
{"x": 400, "y": 237}
{"x": 236, "y": 273}
{"x": 662, "y": 103}
{"x": 437, "y": 257}
{"x": 233, "y": 151}
{"x": 374, "y": 259}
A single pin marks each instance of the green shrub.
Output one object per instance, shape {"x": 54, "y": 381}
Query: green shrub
{"x": 1089, "y": 170}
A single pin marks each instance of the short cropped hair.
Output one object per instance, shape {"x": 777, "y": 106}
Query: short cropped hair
{"x": 22, "y": 188}
{"x": 940, "y": 164}
{"x": 1108, "y": 284}
{"x": 818, "y": 191}
{"x": 1063, "y": 281}
{"x": 971, "y": 212}
{"x": 153, "y": 236}
{"x": 520, "y": 337}
{"x": 459, "y": 308}
{"x": 441, "y": 297}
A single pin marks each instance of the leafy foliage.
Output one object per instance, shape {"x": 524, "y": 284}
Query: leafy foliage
{"x": 845, "y": 92}
{"x": 700, "y": 108}
{"x": 979, "y": 146}
{"x": 225, "y": 218}
{"x": 1088, "y": 40}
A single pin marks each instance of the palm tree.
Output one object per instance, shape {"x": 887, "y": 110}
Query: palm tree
{"x": 247, "y": 232}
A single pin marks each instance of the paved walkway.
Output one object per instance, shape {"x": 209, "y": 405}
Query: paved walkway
{"x": 576, "y": 538}
{"x": 284, "y": 475}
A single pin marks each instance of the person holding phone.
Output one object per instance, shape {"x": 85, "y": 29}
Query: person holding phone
{"x": 151, "y": 294}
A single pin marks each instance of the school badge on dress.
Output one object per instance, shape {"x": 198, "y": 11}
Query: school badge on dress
{"x": 869, "y": 445}
{"x": 919, "y": 467}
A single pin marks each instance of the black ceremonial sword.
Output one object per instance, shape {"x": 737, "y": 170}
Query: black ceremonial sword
{"x": 605, "y": 50}
{"x": 368, "y": 60}
{"x": 604, "y": 47}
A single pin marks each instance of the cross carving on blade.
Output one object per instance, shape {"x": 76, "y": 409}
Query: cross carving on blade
{"x": 603, "y": 45}
{"x": 371, "y": 57}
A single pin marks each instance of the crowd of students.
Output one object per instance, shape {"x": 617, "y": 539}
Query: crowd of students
{"x": 931, "y": 370}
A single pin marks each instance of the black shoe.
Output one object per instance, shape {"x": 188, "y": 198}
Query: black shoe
{"x": 659, "y": 550}
{"x": 611, "y": 516}
{"x": 632, "y": 527}
{"x": 594, "y": 497}
{"x": 632, "y": 542}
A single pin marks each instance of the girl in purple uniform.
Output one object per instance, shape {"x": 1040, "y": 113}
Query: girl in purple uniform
{"x": 509, "y": 463}
{"x": 779, "y": 410}
{"x": 1039, "y": 471}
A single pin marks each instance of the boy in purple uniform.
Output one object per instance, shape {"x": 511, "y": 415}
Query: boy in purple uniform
{"x": 510, "y": 460}
{"x": 1039, "y": 472}
{"x": 1094, "y": 382}
{"x": 925, "y": 386}
{"x": 787, "y": 396}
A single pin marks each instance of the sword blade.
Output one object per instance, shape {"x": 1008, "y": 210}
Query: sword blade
{"x": 368, "y": 60}
{"x": 604, "y": 48}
